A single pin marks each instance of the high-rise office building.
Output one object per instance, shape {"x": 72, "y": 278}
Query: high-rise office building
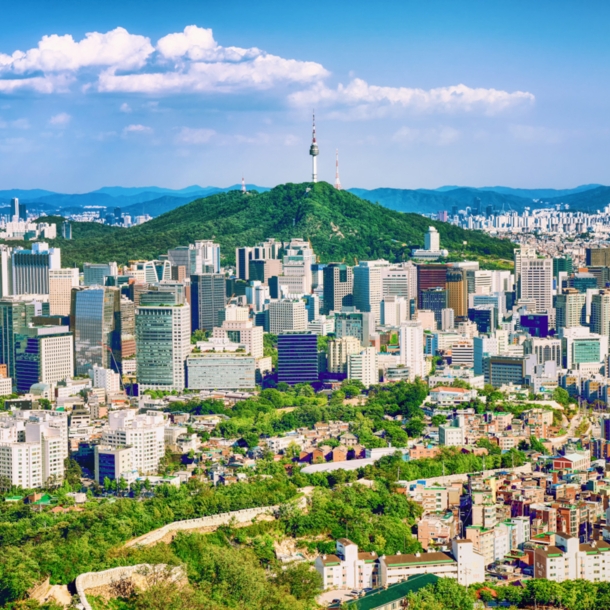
{"x": 485, "y": 317}
{"x": 570, "y": 308}
{"x": 520, "y": 253}
{"x": 430, "y": 276}
{"x": 150, "y": 272}
{"x": 367, "y": 286}
{"x": 400, "y": 280}
{"x": 338, "y": 287}
{"x": 434, "y": 299}
{"x": 297, "y": 262}
{"x": 597, "y": 257}
{"x": 31, "y": 268}
{"x": 287, "y": 315}
{"x": 208, "y": 300}
{"x": 163, "y": 335}
{"x": 61, "y": 282}
{"x": 536, "y": 282}
{"x": 95, "y": 321}
{"x": 562, "y": 264}
{"x": 457, "y": 292}
{"x": 545, "y": 349}
{"x": 355, "y": 324}
{"x": 16, "y": 315}
{"x": 128, "y": 328}
{"x": 411, "y": 340}
{"x": 66, "y": 230}
{"x": 394, "y": 310}
{"x": 18, "y": 210}
{"x": 200, "y": 257}
{"x": 44, "y": 355}
{"x": 600, "y": 313}
{"x": 6, "y": 271}
{"x": 243, "y": 256}
{"x": 297, "y": 358}
{"x": 95, "y": 274}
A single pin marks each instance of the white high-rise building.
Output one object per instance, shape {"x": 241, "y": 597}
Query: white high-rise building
{"x": 519, "y": 254}
{"x": 287, "y": 315}
{"x": 400, "y": 280}
{"x": 31, "y": 268}
{"x": 6, "y": 271}
{"x": 339, "y": 352}
{"x": 536, "y": 282}
{"x": 257, "y": 294}
{"x": 61, "y": 282}
{"x": 363, "y": 367}
{"x": 600, "y": 313}
{"x": 432, "y": 240}
{"x": 394, "y": 311}
{"x": 412, "y": 348}
{"x": 367, "y": 287}
{"x": 244, "y": 332}
{"x": 447, "y": 319}
{"x": 145, "y": 433}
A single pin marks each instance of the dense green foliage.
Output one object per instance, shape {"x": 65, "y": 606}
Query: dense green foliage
{"x": 340, "y": 226}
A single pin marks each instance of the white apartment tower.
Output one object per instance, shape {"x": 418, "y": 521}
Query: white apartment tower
{"x": 363, "y": 367}
{"x": 368, "y": 288}
{"x": 537, "y": 282}
{"x": 412, "y": 348}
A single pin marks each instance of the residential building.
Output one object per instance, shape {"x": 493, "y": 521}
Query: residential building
{"x": 363, "y": 367}
{"x": 339, "y": 351}
{"x": 411, "y": 341}
{"x": 113, "y": 463}
{"x": 536, "y": 282}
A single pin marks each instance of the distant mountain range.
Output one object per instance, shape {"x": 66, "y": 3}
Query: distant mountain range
{"x": 155, "y": 201}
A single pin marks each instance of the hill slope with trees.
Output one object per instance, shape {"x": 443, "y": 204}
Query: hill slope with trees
{"x": 340, "y": 226}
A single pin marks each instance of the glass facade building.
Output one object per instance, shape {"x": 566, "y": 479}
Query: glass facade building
{"x": 95, "y": 321}
{"x": 297, "y": 358}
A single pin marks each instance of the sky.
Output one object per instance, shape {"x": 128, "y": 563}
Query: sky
{"x": 412, "y": 94}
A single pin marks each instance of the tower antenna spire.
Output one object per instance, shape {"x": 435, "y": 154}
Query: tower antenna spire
{"x": 243, "y": 184}
{"x": 337, "y": 179}
{"x": 314, "y": 151}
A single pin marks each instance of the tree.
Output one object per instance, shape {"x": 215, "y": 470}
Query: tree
{"x": 198, "y": 335}
{"x": 72, "y": 472}
{"x": 438, "y": 420}
{"x": 301, "y": 580}
{"x": 561, "y": 396}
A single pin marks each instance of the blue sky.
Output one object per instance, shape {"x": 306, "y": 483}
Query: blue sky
{"x": 413, "y": 94}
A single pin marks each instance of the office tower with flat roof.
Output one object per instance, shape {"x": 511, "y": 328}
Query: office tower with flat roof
{"x": 457, "y": 292}
{"x": 243, "y": 256}
{"x": 368, "y": 287}
{"x": 31, "y": 268}
{"x": 17, "y": 313}
{"x": 394, "y": 310}
{"x": 297, "y": 358}
{"x": 6, "y": 271}
{"x": 359, "y": 324}
{"x": 521, "y": 253}
{"x": 411, "y": 341}
{"x": 339, "y": 351}
{"x": 200, "y": 257}
{"x": 95, "y": 274}
{"x": 597, "y": 257}
{"x": 600, "y": 313}
{"x": 338, "y": 287}
{"x": 163, "y": 336}
{"x": 362, "y": 367}
{"x": 95, "y": 321}
{"x": 44, "y": 355}
{"x": 430, "y": 276}
{"x": 562, "y": 264}
{"x": 570, "y": 308}
{"x": 61, "y": 282}
{"x": 128, "y": 328}
{"x": 208, "y": 300}
{"x": 434, "y": 299}
{"x": 287, "y": 315}
{"x": 536, "y": 282}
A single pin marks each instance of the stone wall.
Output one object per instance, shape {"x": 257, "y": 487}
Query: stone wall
{"x": 92, "y": 580}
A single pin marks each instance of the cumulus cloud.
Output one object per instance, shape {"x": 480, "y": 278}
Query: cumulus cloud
{"x": 60, "y": 120}
{"x": 190, "y": 136}
{"x": 125, "y": 107}
{"x": 16, "y": 124}
{"x": 137, "y": 129}
{"x": 365, "y": 99}
{"x": 435, "y": 136}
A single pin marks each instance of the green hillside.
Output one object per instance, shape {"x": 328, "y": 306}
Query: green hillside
{"x": 340, "y": 226}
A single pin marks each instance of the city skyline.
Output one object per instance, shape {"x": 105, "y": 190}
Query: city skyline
{"x": 411, "y": 97}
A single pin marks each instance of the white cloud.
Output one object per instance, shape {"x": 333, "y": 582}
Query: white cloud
{"x": 125, "y": 107}
{"x": 137, "y": 129}
{"x": 60, "y": 120}
{"x": 188, "y": 135}
{"x": 436, "y": 136}
{"x": 16, "y": 124}
{"x": 365, "y": 100}
{"x": 55, "y": 53}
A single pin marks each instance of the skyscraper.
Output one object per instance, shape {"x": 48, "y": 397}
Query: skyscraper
{"x": 435, "y": 299}
{"x": 457, "y": 292}
{"x": 163, "y": 335}
{"x": 287, "y": 315}
{"x": 95, "y": 321}
{"x": 430, "y": 276}
{"x": 600, "y": 313}
{"x": 6, "y": 271}
{"x": 411, "y": 340}
{"x": 570, "y": 308}
{"x": 297, "y": 358}
{"x": 368, "y": 288}
{"x": 61, "y": 282}
{"x": 31, "y": 268}
{"x": 95, "y": 274}
{"x": 338, "y": 287}
{"x": 208, "y": 300}
{"x": 536, "y": 282}
{"x": 521, "y": 253}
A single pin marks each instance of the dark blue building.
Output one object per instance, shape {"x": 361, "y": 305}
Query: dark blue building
{"x": 485, "y": 317}
{"x": 297, "y": 357}
{"x": 536, "y": 324}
